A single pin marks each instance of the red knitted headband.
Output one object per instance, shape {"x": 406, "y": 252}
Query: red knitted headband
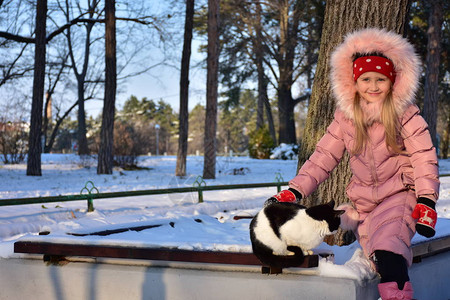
{"x": 373, "y": 64}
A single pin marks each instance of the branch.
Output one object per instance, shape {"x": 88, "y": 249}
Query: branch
{"x": 28, "y": 40}
{"x": 302, "y": 98}
{"x": 143, "y": 71}
{"x": 8, "y": 74}
{"x": 137, "y": 20}
{"x": 70, "y": 24}
{"x": 16, "y": 38}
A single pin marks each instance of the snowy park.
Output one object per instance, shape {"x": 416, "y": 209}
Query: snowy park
{"x": 207, "y": 226}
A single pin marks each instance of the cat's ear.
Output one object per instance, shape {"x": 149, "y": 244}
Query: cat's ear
{"x": 339, "y": 212}
{"x": 331, "y": 203}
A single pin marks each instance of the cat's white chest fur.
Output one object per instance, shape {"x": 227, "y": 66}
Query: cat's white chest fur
{"x": 302, "y": 231}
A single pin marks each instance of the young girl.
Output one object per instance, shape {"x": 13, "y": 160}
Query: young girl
{"x": 395, "y": 184}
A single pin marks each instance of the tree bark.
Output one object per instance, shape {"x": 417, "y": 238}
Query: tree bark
{"x": 105, "y": 155}
{"x": 35, "y": 144}
{"x": 209, "y": 166}
{"x": 289, "y": 23}
{"x": 184, "y": 91}
{"x": 341, "y": 17}
{"x": 433, "y": 60}
{"x": 259, "y": 57}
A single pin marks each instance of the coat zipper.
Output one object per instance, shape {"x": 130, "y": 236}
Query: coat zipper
{"x": 373, "y": 172}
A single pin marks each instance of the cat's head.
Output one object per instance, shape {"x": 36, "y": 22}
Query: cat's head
{"x": 326, "y": 212}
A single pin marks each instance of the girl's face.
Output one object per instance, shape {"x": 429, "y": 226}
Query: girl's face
{"x": 373, "y": 87}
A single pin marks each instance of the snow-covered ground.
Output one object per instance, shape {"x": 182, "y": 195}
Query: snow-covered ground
{"x": 204, "y": 226}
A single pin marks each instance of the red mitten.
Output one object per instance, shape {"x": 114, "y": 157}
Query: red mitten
{"x": 289, "y": 195}
{"x": 426, "y": 213}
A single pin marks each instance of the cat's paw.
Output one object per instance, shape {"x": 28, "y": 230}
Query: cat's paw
{"x": 308, "y": 252}
{"x": 283, "y": 253}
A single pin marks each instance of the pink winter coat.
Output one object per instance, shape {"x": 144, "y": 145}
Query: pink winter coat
{"x": 385, "y": 186}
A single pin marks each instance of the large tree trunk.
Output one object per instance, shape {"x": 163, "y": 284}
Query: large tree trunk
{"x": 259, "y": 57}
{"x": 35, "y": 144}
{"x": 209, "y": 166}
{"x": 286, "y": 129}
{"x": 341, "y": 17}
{"x": 432, "y": 67}
{"x": 184, "y": 91}
{"x": 289, "y": 23}
{"x": 105, "y": 155}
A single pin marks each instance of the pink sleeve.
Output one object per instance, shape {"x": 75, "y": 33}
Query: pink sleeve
{"x": 422, "y": 153}
{"x": 317, "y": 168}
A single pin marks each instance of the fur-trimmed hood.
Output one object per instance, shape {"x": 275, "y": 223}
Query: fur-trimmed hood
{"x": 394, "y": 47}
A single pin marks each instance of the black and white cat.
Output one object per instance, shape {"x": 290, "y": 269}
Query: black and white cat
{"x": 283, "y": 233}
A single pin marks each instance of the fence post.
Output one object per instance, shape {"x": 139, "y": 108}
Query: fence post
{"x": 199, "y": 183}
{"x": 89, "y": 187}
{"x": 278, "y": 180}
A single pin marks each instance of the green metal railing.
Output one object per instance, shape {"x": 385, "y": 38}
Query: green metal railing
{"x": 89, "y": 192}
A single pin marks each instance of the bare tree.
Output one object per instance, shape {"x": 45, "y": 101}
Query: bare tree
{"x": 105, "y": 155}
{"x": 284, "y": 47}
{"x": 341, "y": 17}
{"x": 87, "y": 79}
{"x": 244, "y": 48}
{"x": 11, "y": 70}
{"x": 209, "y": 166}
{"x": 80, "y": 70}
{"x": 184, "y": 91}
{"x": 288, "y": 40}
{"x": 49, "y": 131}
{"x": 263, "y": 103}
{"x": 35, "y": 144}
{"x": 433, "y": 59}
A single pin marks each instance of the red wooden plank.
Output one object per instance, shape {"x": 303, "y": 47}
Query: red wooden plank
{"x": 218, "y": 257}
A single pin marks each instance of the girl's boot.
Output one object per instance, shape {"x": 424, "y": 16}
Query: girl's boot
{"x": 390, "y": 291}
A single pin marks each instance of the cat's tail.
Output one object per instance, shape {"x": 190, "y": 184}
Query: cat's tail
{"x": 283, "y": 261}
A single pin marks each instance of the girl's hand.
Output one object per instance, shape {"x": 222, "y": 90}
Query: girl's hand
{"x": 289, "y": 195}
{"x": 426, "y": 213}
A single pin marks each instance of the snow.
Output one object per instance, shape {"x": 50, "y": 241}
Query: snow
{"x": 285, "y": 151}
{"x": 184, "y": 223}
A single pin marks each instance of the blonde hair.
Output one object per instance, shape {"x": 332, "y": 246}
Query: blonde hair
{"x": 389, "y": 119}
